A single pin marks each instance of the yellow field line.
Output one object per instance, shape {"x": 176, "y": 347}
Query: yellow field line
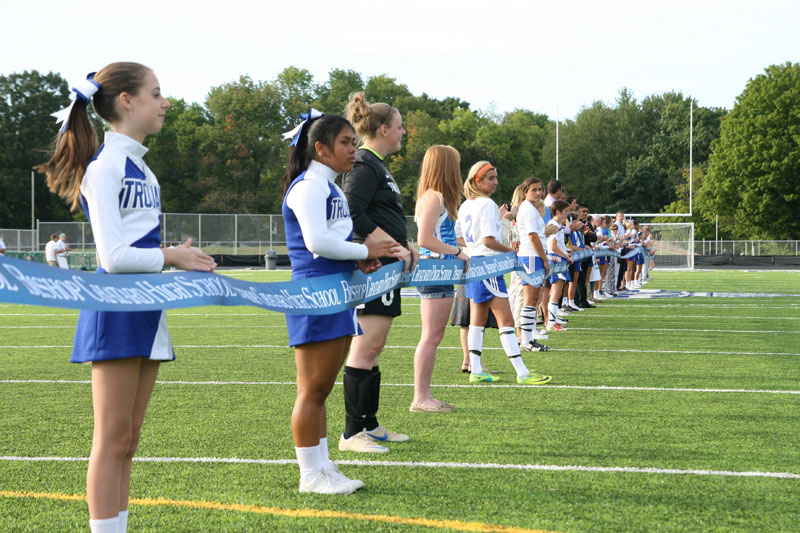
{"x": 295, "y": 513}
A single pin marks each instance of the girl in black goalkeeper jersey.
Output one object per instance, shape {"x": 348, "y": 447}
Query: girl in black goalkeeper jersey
{"x": 376, "y": 209}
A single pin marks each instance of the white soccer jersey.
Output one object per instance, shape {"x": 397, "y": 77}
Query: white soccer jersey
{"x": 529, "y": 221}
{"x": 558, "y": 238}
{"x": 480, "y": 218}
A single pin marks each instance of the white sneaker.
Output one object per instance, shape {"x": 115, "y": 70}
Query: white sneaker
{"x": 540, "y": 335}
{"x": 360, "y": 442}
{"x": 597, "y": 298}
{"x": 323, "y": 482}
{"x": 562, "y": 313}
{"x": 589, "y": 301}
{"x": 575, "y": 308}
{"x": 381, "y": 434}
{"x": 560, "y": 321}
{"x": 333, "y": 470}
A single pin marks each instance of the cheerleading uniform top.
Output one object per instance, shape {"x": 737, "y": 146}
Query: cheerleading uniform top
{"x": 319, "y": 235}
{"x": 121, "y": 198}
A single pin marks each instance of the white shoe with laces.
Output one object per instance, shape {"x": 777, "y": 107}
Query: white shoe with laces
{"x": 333, "y": 470}
{"x": 324, "y": 482}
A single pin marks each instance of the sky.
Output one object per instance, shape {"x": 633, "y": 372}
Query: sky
{"x": 550, "y": 57}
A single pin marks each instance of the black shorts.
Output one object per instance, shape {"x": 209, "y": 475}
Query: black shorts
{"x": 387, "y": 305}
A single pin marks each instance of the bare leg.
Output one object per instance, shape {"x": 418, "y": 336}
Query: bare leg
{"x": 434, "y": 314}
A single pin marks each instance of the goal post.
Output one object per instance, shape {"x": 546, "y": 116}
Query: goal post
{"x": 673, "y": 244}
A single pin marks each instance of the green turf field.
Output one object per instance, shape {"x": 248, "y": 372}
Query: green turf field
{"x": 663, "y": 414}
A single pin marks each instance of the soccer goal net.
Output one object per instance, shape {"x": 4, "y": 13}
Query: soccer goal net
{"x": 674, "y": 244}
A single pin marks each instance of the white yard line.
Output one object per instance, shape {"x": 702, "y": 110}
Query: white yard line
{"x": 441, "y": 386}
{"x": 442, "y": 464}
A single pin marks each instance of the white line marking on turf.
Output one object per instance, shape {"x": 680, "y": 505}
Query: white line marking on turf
{"x": 442, "y": 386}
{"x": 283, "y": 347}
{"x": 420, "y": 464}
{"x": 676, "y": 317}
{"x": 648, "y": 329}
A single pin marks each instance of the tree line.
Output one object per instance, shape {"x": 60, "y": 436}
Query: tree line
{"x": 226, "y": 155}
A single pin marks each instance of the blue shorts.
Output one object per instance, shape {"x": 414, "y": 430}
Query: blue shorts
{"x": 487, "y": 289}
{"x": 562, "y": 276}
{"x": 428, "y": 292}
{"x": 577, "y": 266}
{"x": 537, "y": 265}
{"x": 640, "y": 259}
{"x": 602, "y": 260}
{"x": 109, "y": 335}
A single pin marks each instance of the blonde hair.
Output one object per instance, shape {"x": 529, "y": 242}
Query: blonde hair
{"x": 540, "y": 207}
{"x": 441, "y": 172}
{"x": 74, "y": 148}
{"x": 366, "y": 117}
{"x": 471, "y": 190}
{"x": 518, "y": 197}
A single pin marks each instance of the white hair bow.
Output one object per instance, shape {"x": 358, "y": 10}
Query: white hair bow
{"x": 295, "y": 133}
{"x": 83, "y": 90}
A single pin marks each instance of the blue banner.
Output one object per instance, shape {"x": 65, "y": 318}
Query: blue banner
{"x": 24, "y": 282}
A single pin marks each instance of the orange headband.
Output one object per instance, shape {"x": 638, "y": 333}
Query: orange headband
{"x": 484, "y": 169}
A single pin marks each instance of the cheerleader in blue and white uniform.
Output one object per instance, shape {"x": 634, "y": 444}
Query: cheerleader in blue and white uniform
{"x": 480, "y": 221}
{"x": 121, "y": 198}
{"x": 319, "y": 234}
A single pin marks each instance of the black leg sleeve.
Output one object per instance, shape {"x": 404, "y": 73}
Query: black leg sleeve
{"x": 357, "y": 395}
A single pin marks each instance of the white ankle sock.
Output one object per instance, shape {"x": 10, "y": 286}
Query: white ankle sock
{"x": 106, "y": 525}
{"x": 324, "y": 459}
{"x": 572, "y": 303}
{"x": 308, "y": 459}
{"x": 123, "y": 521}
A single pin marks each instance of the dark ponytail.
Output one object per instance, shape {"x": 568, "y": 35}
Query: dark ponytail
{"x": 324, "y": 129}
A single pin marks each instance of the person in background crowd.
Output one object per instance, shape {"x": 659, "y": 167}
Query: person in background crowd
{"x": 556, "y": 252}
{"x": 319, "y": 237}
{"x": 532, "y": 255}
{"x": 515, "y": 292}
{"x": 480, "y": 221}
{"x": 2, "y": 245}
{"x": 61, "y": 249}
{"x": 376, "y": 208}
{"x": 438, "y": 198}
{"x": 50, "y": 250}
{"x": 622, "y": 264}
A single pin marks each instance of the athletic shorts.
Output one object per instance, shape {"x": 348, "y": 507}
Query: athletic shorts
{"x": 487, "y": 289}
{"x": 640, "y": 259}
{"x": 537, "y": 265}
{"x": 430, "y": 292}
{"x": 602, "y": 260}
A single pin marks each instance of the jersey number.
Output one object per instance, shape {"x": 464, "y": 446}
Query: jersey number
{"x": 388, "y": 298}
{"x": 468, "y": 230}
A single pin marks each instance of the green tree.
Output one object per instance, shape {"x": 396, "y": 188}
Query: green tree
{"x": 754, "y": 171}
{"x": 26, "y": 132}
{"x": 240, "y": 144}
{"x": 335, "y": 93}
{"x": 174, "y": 156}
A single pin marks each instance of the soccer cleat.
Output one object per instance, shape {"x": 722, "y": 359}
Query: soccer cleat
{"x": 562, "y": 314}
{"x": 381, "y": 434}
{"x": 360, "y": 442}
{"x": 556, "y": 327}
{"x": 534, "y": 346}
{"x": 562, "y": 321}
{"x": 483, "y": 377}
{"x": 333, "y": 470}
{"x": 533, "y": 379}
{"x": 540, "y": 335}
{"x": 575, "y": 308}
{"x": 324, "y": 482}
